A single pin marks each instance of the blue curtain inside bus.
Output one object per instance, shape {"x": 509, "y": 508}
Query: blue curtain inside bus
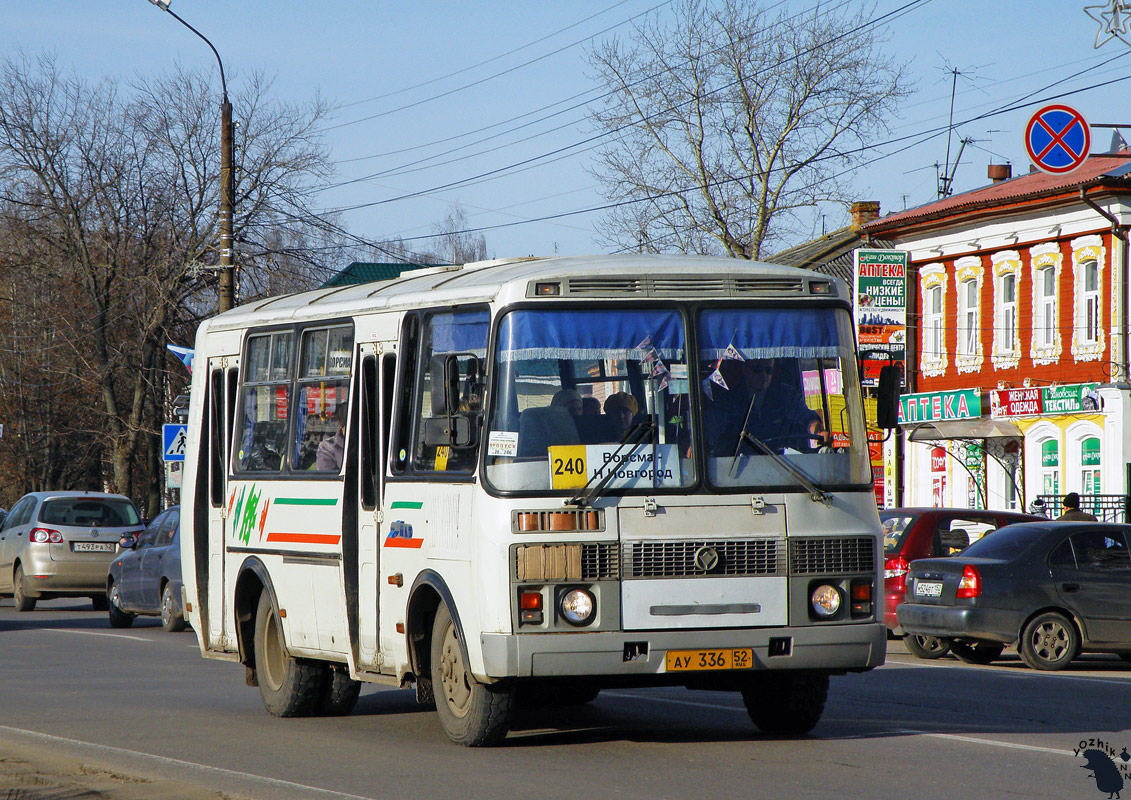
{"x": 769, "y": 332}
{"x": 591, "y": 334}
{"x": 460, "y": 332}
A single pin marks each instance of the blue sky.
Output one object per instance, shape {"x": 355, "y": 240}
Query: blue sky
{"x": 417, "y": 69}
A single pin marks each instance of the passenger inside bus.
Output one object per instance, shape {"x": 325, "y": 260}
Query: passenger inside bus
{"x": 762, "y": 398}
{"x": 332, "y": 448}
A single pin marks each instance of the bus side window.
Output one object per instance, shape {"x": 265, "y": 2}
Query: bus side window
{"x": 369, "y": 429}
{"x": 322, "y": 407}
{"x": 265, "y": 403}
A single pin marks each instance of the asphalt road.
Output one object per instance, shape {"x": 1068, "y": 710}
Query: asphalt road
{"x": 142, "y": 704}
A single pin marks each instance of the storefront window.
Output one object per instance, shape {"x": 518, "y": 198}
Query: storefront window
{"x": 1050, "y": 467}
{"x": 1090, "y": 466}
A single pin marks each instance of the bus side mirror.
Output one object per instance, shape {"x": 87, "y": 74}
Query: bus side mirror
{"x": 887, "y": 398}
{"x": 454, "y": 431}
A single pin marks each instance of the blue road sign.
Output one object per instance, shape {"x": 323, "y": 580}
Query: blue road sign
{"x": 175, "y": 437}
{"x": 1058, "y": 139}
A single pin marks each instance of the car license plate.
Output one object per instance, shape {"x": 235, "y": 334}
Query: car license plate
{"x": 928, "y": 588}
{"x": 92, "y": 547}
{"x": 727, "y": 658}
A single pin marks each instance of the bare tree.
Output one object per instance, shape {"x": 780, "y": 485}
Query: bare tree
{"x": 114, "y": 193}
{"x": 727, "y": 121}
{"x": 453, "y": 243}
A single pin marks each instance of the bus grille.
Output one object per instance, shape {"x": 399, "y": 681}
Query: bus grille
{"x": 600, "y": 562}
{"x": 677, "y": 559}
{"x": 831, "y": 556}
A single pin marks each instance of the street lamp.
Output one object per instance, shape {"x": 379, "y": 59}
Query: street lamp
{"x": 227, "y": 174}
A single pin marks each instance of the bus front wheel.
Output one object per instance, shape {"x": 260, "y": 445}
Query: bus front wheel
{"x": 289, "y": 687}
{"x": 472, "y": 713}
{"x": 787, "y": 704}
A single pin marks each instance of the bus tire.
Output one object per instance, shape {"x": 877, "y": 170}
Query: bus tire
{"x": 472, "y": 713}
{"x": 784, "y": 703}
{"x": 289, "y": 687}
{"x": 339, "y": 693}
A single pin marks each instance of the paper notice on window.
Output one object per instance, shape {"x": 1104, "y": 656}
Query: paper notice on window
{"x": 503, "y": 444}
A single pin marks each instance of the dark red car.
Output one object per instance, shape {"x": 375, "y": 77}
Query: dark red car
{"x": 911, "y": 533}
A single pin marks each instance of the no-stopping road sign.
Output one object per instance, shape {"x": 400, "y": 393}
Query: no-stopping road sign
{"x": 1058, "y": 139}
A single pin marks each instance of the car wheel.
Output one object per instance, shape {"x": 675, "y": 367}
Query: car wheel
{"x": 172, "y": 620}
{"x": 471, "y": 713}
{"x": 23, "y": 602}
{"x": 98, "y": 602}
{"x": 929, "y": 647}
{"x": 339, "y": 693}
{"x": 289, "y": 687}
{"x": 1049, "y": 642}
{"x": 784, "y": 703}
{"x": 977, "y": 652}
{"x": 118, "y": 617}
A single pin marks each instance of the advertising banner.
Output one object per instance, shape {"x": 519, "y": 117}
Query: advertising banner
{"x": 1032, "y": 401}
{"x": 880, "y": 304}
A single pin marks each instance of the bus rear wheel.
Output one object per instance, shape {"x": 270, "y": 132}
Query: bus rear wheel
{"x": 472, "y": 713}
{"x": 289, "y": 687}
{"x": 786, "y": 704}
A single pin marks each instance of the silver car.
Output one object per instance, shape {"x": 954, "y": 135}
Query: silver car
{"x": 60, "y": 544}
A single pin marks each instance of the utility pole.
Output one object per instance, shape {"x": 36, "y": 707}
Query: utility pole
{"x": 227, "y": 287}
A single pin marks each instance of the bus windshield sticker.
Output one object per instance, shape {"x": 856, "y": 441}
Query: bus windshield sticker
{"x": 503, "y": 444}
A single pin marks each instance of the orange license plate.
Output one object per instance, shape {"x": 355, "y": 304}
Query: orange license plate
{"x": 694, "y": 660}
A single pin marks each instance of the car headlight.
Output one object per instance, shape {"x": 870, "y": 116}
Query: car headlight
{"x": 825, "y": 601}
{"x": 577, "y": 606}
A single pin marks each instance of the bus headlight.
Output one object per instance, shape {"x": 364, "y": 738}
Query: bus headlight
{"x": 825, "y": 601}
{"x": 577, "y": 606}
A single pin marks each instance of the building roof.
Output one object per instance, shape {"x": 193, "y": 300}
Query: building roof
{"x": 830, "y": 254}
{"x": 1107, "y": 170}
{"x": 365, "y": 272}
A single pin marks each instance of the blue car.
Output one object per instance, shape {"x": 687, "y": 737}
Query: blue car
{"x": 145, "y": 578}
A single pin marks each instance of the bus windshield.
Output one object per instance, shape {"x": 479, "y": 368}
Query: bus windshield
{"x": 780, "y": 398}
{"x": 581, "y": 392}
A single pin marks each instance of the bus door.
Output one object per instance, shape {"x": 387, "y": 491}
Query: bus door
{"x": 223, "y": 380}
{"x": 377, "y": 368}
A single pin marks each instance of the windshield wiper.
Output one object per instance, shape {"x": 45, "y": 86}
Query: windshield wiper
{"x": 816, "y": 493}
{"x": 631, "y": 437}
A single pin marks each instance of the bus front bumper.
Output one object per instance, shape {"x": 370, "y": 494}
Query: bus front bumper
{"x": 832, "y": 648}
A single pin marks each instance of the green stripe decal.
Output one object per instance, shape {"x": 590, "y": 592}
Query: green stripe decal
{"x": 304, "y": 501}
{"x": 406, "y": 504}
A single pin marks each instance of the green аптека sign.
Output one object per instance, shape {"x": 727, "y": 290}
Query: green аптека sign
{"x": 939, "y": 406}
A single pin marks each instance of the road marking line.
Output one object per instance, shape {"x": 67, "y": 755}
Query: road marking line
{"x": 991, "y": 742}
{"x": 1027, "y": 675}
{"x": 119, "y": 751}
{"x": 95, "y": 633}
{"x": 909, "y": 731}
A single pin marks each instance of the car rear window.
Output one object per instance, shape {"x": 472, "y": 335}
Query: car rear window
{"x": 1005, "y": 543}
{"x": 895, "y": 530}
{"x": 86, "y": 511}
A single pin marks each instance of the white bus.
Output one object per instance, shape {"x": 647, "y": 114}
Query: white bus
{"x": 524, "y": 481}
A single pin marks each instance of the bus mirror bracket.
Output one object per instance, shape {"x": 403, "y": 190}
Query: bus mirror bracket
{"x": 887, "y": 398}
{"x": 453, "y": 431}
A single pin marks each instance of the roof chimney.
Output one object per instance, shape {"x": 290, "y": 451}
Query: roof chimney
{"x": 863, "y": 212}
{"x": 999, "y": 172}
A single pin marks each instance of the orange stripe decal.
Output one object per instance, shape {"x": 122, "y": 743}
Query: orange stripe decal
{"x": 400, "y": 541}
{"x": 304, "y": 538}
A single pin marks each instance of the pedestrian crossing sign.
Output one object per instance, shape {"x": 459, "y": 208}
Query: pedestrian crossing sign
{"x": 175, "y": 437}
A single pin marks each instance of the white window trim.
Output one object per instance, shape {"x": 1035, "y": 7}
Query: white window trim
{"x": 933, "y": 364}
{"x": 1084, "y": 249}
{"x": 1040, "y": 257}
{"x": 968, "y": 269}
{"x": 1005, "y": 263}
{"x": 1074, "y": 437}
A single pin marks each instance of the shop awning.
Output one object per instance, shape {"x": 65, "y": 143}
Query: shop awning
{"x": 980, "y": 428}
